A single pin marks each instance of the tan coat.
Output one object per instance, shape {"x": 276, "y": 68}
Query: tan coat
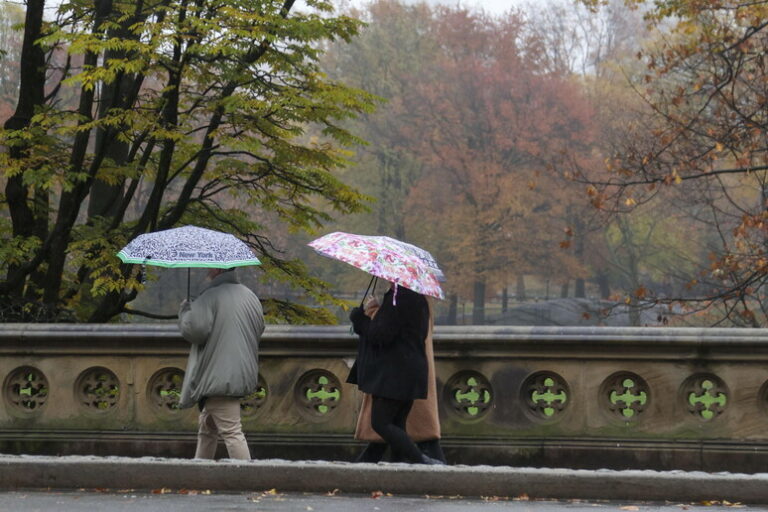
{"x": 423, "y": 422}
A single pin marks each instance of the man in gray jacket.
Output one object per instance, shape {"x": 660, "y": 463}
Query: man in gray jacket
{"x": 224, "y": 325}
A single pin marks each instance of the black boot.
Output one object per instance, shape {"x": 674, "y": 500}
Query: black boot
{"x": 426, "y": 459}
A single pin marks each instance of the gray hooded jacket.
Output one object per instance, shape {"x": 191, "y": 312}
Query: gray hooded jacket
{"x": 224, "y": 325}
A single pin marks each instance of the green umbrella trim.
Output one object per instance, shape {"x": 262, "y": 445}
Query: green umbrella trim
{"x": 187, "y": 264}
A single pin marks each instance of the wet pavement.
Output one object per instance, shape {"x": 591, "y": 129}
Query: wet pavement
{"x": 166, "y": 500}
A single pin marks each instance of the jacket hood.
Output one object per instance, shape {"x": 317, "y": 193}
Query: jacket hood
{"x": 223, "y": 278}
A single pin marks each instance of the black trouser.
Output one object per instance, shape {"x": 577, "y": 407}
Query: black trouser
{"x": 388, "y": 420}
{"x": 373, "y": 452}
{"x": 432, "y": 449}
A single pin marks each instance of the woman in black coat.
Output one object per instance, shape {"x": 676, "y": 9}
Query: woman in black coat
{"x": 391, "y": 365}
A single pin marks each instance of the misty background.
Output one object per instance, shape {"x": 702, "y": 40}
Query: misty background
{"x": 483, "y": 112}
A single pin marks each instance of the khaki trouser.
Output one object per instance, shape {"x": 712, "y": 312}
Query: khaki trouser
{"x": 221, "y": 416}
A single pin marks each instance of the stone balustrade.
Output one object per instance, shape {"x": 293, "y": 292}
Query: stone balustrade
{"x": 570, "y": 397}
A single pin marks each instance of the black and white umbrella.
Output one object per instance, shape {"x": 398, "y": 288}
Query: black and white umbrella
{"x": 188, "y": 247}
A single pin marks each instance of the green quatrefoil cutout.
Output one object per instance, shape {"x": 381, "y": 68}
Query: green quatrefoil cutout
{"x": 172, "y": 395}
{"x": 258, "y": 394}
{"x": 323, "y": 395}
{"x": 548, "y": 397}
{"x": 708, "y": 399}
{"x": 247, "y": 403}
{"x": 30, "y": 389}
{"x": 628, "y": 398}
{"x": 473, "y": 397}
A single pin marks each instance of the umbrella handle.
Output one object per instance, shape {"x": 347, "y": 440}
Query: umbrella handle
{"x": 371, "y": 282}
{"x": 143, "y": 270}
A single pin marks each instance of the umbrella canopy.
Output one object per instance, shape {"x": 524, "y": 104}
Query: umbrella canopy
{"x": 188, "y": 246}
{"x": 386, "y": 258}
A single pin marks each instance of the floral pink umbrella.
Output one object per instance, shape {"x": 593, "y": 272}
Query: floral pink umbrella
{"x": 386, "y": 258}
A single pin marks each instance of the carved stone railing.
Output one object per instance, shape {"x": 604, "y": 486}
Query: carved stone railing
{"x": 573, "y": 397}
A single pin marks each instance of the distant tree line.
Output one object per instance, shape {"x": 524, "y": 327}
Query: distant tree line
{"x": 613, "y": 150}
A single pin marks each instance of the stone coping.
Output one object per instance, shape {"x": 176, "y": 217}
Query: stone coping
{"x": 646, "y": 335}
{"x": 451, "y": 342}
{"x": 147, "y": 473}
{"x": 170, "y": 328}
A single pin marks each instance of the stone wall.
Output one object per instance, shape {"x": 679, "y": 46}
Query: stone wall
{"x": 568, "y": 397}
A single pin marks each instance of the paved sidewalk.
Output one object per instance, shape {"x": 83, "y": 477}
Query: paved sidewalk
{"x": 131, "y": 501}
{"x": 147, "y": 474}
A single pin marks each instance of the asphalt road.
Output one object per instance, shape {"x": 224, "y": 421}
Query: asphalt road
{"x": 272, "y": 501}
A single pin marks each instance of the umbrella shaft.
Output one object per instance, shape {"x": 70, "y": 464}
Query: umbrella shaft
{"x": 371, "y": 282}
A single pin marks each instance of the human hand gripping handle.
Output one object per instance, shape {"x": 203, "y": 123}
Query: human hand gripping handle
{"x": 195, "y": 325}
{"x": 371, "y": 306}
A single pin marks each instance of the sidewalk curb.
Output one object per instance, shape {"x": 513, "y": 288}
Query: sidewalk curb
{"x": 85, "y": 472}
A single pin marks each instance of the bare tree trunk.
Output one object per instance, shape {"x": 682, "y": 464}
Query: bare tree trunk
{"x": 31, "y": 95}
{"x": 478, "y": 306}
{"x": 505, "y": 299}
{"x": 520, "y": 288}
{"x": 633, "y": 270}
{"x": 579, "y": 286}
{"x": 579, "y": 289}
{"x": 604, "y": 284}
{"x": 72, "y": 200}
{"x": 453, "y": 309}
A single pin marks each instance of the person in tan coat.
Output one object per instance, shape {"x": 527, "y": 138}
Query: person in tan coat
{"x": 423, "y": 422}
